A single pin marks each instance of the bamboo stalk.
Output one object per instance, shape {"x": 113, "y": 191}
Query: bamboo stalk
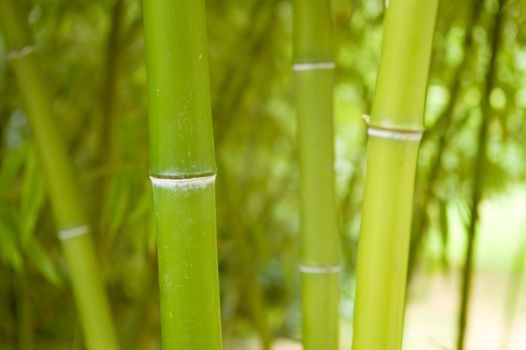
{"x": 395, "y": 129}
{"x": 319, "y": 245}
{"x": 422, "y": 219}
{"x": 477, "y": 189}
{"x": 93, "y": 308}
{"x": 108, "y": 142}
{"x": 182, "y": 171}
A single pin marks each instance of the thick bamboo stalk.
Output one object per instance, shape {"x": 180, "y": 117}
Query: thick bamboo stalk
{"x": 394, "y": 129}
{"x": 319, "y": 246}
{"x": 182, "y": 170}
{"x": 62, "y": 188}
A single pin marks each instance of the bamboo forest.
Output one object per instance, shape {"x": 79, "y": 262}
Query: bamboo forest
{"x": 263, "y": 174}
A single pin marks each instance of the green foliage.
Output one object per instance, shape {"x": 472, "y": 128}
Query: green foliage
{"x": 254, "y": 129}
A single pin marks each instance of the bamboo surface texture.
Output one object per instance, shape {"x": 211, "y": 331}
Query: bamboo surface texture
{"x": 395, "y": 129}
{"x": 62, "y": 187}
{"x": 319, "y": 242}
{"x": 182, "y": 171}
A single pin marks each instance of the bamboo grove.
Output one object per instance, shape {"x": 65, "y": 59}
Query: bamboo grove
{"x": 247, "y": 175}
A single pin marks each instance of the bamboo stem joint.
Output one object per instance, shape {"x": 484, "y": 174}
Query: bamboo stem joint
{"x": 313, "y": 66}
{"x": 189, "y": 182}
{"x": 319, "y": 269}
{"x": 393, "y": 132}
{"x": 73, "y": 232}
{"x": 26, "y": 50}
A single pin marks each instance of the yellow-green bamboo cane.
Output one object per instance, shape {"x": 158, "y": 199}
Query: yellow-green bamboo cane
{"x": 182, "y": 171}
{"x": 395, "y": 129}
{"x": 319, "y": 247}
{"x": 90, "y": 298}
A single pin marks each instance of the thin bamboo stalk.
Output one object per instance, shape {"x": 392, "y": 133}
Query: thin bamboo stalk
{"x": 182, "y": 171}
{"x": 107, "y": 147}
{"x": 422, "y": 219}
{"x": 395, "y": 129}
{"x": 478, "y": 178}
{"x": 92, "y": 305}
{"x": 319, "y": 245}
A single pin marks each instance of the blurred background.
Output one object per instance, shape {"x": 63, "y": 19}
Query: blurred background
{"x": 92, "y": 52}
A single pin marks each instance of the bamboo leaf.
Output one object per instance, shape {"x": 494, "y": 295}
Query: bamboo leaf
{"x": 117, "y": 207}
{"x": 43, "y": 263}
{"x": 10, "y": 251}
{"x": 32, "y": 197}
{"x": 11, "y": 166}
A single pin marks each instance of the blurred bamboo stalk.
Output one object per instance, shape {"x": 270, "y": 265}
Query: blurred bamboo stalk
{"x": 107, "y": 150}
{"x": 182, "y": 171}
{"x": 93, "y": 308}
{"x": 478, "y": 178}
{"x": 319, "y": 245}
{"x": 395, "y": 129}
{"x": 445, "y": 128}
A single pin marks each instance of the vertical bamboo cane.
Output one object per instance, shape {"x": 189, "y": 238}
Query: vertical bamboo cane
{"x": 395, "y": 129}
{"x": 63, "y": 191}
{"x": 478, "y": 178}
{"x": 320, "y": 246}
{"x": 182, "y": 171}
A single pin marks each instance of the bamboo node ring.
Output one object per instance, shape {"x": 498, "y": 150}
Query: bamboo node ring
{"x": 26, "y": 50}
{"x": 400, "y": 133}
{"x": 73, "y": 232}
{"x": 313, "y": 66}
{"x": 190, "y": 182}
{"x": 319, "y": 269}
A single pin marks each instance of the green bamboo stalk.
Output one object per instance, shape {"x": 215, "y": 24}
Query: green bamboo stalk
{"x": 107, "y": 147}
{"x": 93, "y": 308}
{"x": 422, "y": 219}
{"x": 319, "y": 245}
{"x": 478, "y": 178}
{"x": 182, "y": 170}
{"x": 395, "y": 129}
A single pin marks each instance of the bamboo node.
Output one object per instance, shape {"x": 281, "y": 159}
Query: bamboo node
{"x": 26, "y": 50}
{"x": 73, "y": 232}
{"x": 326, "y": 269}
{"x": 313, "y": 66}
{"x": 191, "y": 182}
{"x": 400, "y": 133}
